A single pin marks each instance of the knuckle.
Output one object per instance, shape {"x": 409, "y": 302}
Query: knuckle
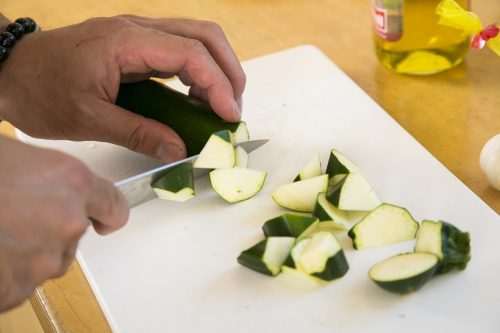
{"x": 137, "y": 137}
{"x": 77, "y": 174}
{"x": 212, "y": 29}
{"x": 194, "y": 46}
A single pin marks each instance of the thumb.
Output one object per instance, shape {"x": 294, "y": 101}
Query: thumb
{"x": 143, "y": 135}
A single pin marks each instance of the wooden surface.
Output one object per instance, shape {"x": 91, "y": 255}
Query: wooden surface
{"x": 452, "y": 114}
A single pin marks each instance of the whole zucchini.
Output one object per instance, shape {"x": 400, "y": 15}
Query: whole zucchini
{"x": 192, "y": 119}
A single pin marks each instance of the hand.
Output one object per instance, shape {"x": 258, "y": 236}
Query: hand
{"x": 46, "y": 200}
{"x": 62, "y": 83}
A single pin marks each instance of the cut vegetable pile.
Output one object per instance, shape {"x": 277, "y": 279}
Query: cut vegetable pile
{"x": 342, "y": 200}
{"x": 230, "y": 179}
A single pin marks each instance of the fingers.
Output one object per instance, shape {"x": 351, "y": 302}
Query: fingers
{"x": 106, "y": 206}
{"x": 143, "y": 135}
{"x": 212, "y": 37}
{"x": 140, "y": 51}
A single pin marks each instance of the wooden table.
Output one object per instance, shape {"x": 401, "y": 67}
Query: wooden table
{"x": 452, "y": 114}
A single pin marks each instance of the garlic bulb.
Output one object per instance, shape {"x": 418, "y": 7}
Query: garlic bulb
{"x": 490, "y": 161}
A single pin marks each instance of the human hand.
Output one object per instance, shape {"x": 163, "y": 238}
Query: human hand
{"x": 46, "y": 200}
{"x": 62, "y": 83}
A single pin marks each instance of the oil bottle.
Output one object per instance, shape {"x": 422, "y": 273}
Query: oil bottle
{"x": 409, "y": 40}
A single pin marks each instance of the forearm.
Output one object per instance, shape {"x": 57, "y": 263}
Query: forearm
{"x": 3, "y": 21}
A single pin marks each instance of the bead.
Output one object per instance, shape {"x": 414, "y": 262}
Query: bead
{"x": 16, "y": 29}
{"x": 32, "y": 24}
{"x": 4, "y": 53}
{"x": 7, "y": 39}
{"x": 25, "y": 23}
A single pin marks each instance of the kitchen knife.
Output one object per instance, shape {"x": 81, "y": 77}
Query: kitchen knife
{"x": 137, "y": 189}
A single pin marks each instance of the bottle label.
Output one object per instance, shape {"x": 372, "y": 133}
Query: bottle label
{"x": 388, "y": 19}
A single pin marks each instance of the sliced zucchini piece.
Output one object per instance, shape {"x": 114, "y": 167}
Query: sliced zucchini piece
{"x": 301, "y": 196}
{"x": 267, "y": 256}
{"x": 237, "y": 184}
{"x": 353, "y": 193}
{"x": 443, "y": 239}
{"x": 290, "y": 270}
{"x": 385, "y": 225}
{"x": 217, "y": 153}
{"x": 404, "y": 273}
{"x": 177, "y": 184}
{"x": 292, "y": 225}
{"x": 240, "y": 134}
{"x": 311, "y": 170}
{"x": 339, "y": 164}
{"x": 320, "y": 256}
{"x": 325, "y": 211}
{"x": 241, "y": 157}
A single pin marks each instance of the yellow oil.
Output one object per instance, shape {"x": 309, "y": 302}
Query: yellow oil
{"x": 425, "y": 47}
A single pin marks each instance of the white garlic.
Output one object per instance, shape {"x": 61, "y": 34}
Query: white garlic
{"x": 490, "y": 161}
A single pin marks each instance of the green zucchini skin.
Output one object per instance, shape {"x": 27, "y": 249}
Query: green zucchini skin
{"x": 288, "y": 225}
{"x": 252, "y": 258}
{"x": 193, "y": 120}
{"x": 454, "y": 250}
{"x": 336, "y": 267}
{"x": 333, "y": 193}
{"x": 177, "y": 178}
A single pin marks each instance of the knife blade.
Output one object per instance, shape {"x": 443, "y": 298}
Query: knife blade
{"x": 137, "y": 189}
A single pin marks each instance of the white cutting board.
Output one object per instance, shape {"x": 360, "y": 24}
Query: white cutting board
{"x": 173, "y": 267}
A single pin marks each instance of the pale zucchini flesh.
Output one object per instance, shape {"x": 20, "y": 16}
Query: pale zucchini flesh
{"x": 353, "y": 193}
{"x": 387, "y": 224}
{"x": 311, "y": 170}
{"x": 301, "y": 196}
{"x": 240, "y": 134}
{"x": 237, "y": 184}
{"x": 404, "y": 273}
{"x": 241, "y": 157}
{"x": 218, "y": 152}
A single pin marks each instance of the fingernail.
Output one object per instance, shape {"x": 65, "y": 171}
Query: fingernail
{"x": 236, "y": 110}
{"x": 169, "y": 152}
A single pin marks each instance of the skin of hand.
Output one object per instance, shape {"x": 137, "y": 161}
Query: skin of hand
{"x": 62, "y": 84}
{"x": 47, "y": 197}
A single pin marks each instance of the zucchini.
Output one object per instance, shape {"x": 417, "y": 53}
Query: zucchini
{"x": 404, "y": 273}
{"x": 385, "y": 225}
{"x": 325, "y": 211}
{"x": 451, "y": 245}
{"x": 267, "y": 256}
{"x": 311, "y": 170}
{"x": 177, "y": 184}
{"x": 320, "y": 256}
{"x": 192, "y": 119}
{"x": 237, "y": 184}
{"x": 352, "y": 192}
{"x": 240, "y": 134}
{"x": 339, "y": 164}
{"x": 218, "y": 152}
{"x": 241, "y": 157}
{"x": 292, "y": 225}
{"x": 301, "y": 196}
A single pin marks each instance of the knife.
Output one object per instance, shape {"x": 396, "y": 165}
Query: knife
{"x": 137, "y": 189}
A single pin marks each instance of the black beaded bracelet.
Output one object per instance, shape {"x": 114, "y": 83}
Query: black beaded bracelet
{"x": 14, "y": 32}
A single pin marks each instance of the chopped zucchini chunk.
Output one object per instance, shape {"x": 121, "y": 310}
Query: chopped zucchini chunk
{"x": 339, "y": 164}
{"x": 443, "y": 239}
{"x": 385, "y": 225}
{"x": 325, "y": 211}
{"x": 311, "y": 170}
{"x": 177, "y": 184}
{"x": 301, "y": 196}
{"x": 404, "y": 273}
{"x": 240, "y": 134}
{"x": 353, "y": 193}
{"x": 218, "y": 152}
{"x": 290, "y": 225}
{"x": 267, "y": 256}
{"x": 320, "y": 256}
{"x": 241, "y": 157}
{"x": 237, "y": 184}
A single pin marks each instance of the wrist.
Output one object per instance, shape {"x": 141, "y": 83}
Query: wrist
{"x": 3, "y": 22}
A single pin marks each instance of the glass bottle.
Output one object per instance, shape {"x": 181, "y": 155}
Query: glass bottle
{"x": 408, "y": 38}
